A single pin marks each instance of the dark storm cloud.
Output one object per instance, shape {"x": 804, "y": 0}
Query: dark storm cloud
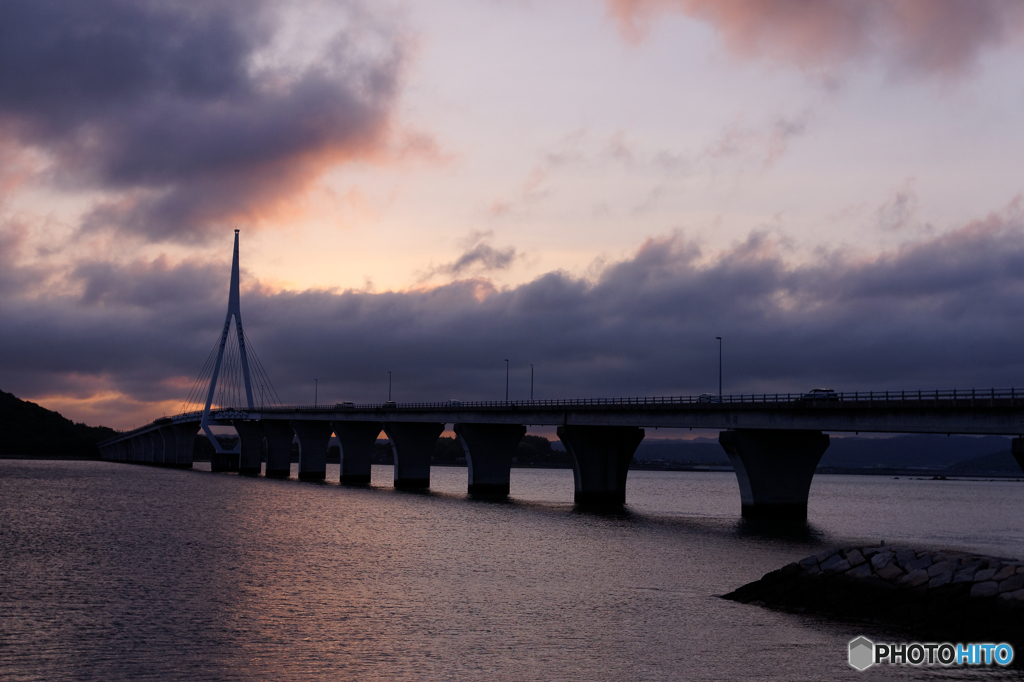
{"x": 167, "y": 106}
{"x": 132, "y": 326}
{"x": 943, "y": 312}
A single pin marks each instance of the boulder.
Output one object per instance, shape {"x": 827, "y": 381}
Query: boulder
{"x": 947, "y": 595}
{"x": 914, "y": 578}
{"x": 891, "y": 572}
{"x": 988, "y": 588}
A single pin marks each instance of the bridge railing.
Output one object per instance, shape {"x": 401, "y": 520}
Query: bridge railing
{"x": 809, "y": 398}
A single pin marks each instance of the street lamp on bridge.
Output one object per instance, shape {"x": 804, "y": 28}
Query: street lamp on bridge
{"x": 506, "y": 380}
{"x": 719, "y": 366}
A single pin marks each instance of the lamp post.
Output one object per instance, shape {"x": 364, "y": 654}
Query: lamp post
{"x": 719, "y": 367}
{"x": 531, "y": 382}
{"x": 389, "y": 387}
{"x": 506, "y": 380}
{"x": 316, "y": 391}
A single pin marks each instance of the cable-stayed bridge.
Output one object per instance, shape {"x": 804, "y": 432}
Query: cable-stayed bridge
{"x": 774, "y": 441}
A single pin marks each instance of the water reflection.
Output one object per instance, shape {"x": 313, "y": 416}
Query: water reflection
{"x": 120, "y": 572}
{"x": 794, "y": 532}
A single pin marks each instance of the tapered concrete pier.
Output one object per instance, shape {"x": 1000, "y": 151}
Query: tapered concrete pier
{"x": 250, "y": 457}
{"x": 412, "y": 444}
{"x": 600, "y": 460}
{"x": 279, "y": 437}
{"x": 1017, "y": 448}
{"x": 224, "y": 462}
{"x": 356, "y": 440}
{"x": 489, "y": 451}
{"x": 185, "y": 442}
{"x": 147, "y": 447}
{"x": 774, "y": 468}
{"x": 158, "y": 447}
{"x": 169, "y": 451}
{"x": 314, "y": 437}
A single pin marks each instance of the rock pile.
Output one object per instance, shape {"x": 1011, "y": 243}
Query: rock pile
{"x": 948, "y": 594}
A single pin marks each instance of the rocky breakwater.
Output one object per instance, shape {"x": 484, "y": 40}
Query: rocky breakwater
{"x": 941, "y": 594}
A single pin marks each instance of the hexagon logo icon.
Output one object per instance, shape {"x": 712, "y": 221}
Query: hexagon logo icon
{"x": 862, "y": 653}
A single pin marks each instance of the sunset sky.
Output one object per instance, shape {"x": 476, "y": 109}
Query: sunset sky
{"x": 597, "y": 187}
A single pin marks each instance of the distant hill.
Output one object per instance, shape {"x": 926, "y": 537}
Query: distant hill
{"x": 996, "y": 464}
{"x": 925, "y": 451}
{"x": 28, "y": 430}
{"x": 680, "y": 451}
{"x": 956, "y": 455}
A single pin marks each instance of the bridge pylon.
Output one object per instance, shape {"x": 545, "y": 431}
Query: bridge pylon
{"x": 234, "y": 311}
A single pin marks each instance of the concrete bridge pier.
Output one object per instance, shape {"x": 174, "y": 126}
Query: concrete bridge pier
{"x": 135, "y": 449}
{"x": 158, "y": 447}
{"x": 600, "y": 460}
{"x": 1017, "y": 448}
{"x": 147, "y": 447}
{"x": 489, "y": 451}
{"x": 185, "y": 441}
{"x": 314, "y": 437}
{"x": 224, "y": 461}
{"x": 412, "y": 444}
{"x": 774, "y": 468}
{"x": 170, "y": 439}
{"x": 250, "y": 434}
{"x": 279, "y": 435}
{"x": 357, "y": 440}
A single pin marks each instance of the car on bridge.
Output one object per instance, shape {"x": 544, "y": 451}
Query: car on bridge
{"x": 709, "y": 398}
{"x": 820, "y": 394}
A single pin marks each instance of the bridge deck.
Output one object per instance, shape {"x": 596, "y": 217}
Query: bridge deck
{"x": 971, "y": 411}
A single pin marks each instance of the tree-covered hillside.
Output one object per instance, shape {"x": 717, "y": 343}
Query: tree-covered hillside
{"x": 28, "y": 430}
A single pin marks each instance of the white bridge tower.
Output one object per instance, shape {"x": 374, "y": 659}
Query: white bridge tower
{"x": 234, "y": 310}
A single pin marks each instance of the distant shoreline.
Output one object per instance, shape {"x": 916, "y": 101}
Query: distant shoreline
{"x": 56, "y": 458}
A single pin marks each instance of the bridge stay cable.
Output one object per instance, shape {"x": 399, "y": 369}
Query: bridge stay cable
{"x": 192, "y": 400}
{"x": 268, "y": 396}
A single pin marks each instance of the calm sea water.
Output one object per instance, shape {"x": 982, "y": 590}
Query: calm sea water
{"x": 118, "y": 572}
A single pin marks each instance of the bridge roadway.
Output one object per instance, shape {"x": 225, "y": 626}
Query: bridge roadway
{"x": 774, "y": 441}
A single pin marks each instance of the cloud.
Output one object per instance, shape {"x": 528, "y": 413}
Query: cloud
{"x": 929, "y": 37}
{"x": 740, "y": 145}
{"x": 181, "y": 114}
{"x": 479, "y": 257}
{"x": 764, "y": 143}
{"x": 942, "y": 311}
{"x": 898, "y": 212}
{"x": 16, "y": 277}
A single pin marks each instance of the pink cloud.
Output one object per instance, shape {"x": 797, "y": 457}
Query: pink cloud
{"x": 934, "y": 37}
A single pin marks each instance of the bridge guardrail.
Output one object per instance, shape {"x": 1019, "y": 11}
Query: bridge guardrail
{"x": 901, "y": 396}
